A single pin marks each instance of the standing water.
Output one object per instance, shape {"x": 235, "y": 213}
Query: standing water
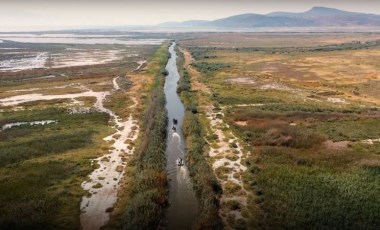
{"x": 183, "y": 204}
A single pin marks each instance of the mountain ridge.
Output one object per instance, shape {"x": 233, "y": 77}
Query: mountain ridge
{"x": 315, "y": 17}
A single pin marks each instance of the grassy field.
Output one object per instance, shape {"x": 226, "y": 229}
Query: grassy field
{"x": 272, "y": 40}
{"x": 41, "y": 174}
{"x": 206, "y": 186}
{"x": 43, "y": 166}
{"x": 303, "y": 118}
{"x": 304, "y": 112}
{"x": 143, "y": 198}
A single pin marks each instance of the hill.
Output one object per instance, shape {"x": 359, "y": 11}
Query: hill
{"x": 317, "y": 16}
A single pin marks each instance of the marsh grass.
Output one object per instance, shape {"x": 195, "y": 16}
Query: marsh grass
{"x": 25, "y": 142}
{"x": 300, "y": 197}
{"x": 353, "y": 130}
{"x": 299, "y": 183}
{"x": 14, "y": 152}
{"x": 120, "y": 103}
{"x": 271, "y": 126}
{"x": 296, "y": 181}
{"x": 205, "y": 183}
{"x": 144, "y": 197}
{"x": 41, "y": 175}
{"x": 40, "y": 187}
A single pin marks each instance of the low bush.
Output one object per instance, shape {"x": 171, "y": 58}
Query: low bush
{"x": 209, "y": 67}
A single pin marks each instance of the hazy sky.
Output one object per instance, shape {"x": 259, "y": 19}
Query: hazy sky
{"x": 61, "y": 14}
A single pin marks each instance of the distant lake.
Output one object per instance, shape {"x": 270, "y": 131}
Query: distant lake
{"x": 79, "y": 39}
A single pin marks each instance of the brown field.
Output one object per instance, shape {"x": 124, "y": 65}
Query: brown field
{"x": 308, "y": 119}
{"x": 341, "y": 72}
{"x": 282, "y": 39}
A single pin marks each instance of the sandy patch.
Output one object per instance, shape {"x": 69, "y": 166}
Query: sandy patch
{"x": 370, "y": 141}
{"x": 16, "y": 124}
{"x": 276, "y": 86}
{"x": 80, "y": 110}
{"x": 103, "y": 183}
{"x": 329, "y": 144}
{"x": 337, "y": 100}
{"x": 19, "y": 99}
{"x": 241, "y": 80}
{"x": 85, "y": 57}
{"x": 228, "y": 156}
{"x": 241, "y": 123}
{"x": 140, "y": 64}
{"x": 115, "y": 85}
{"x": 345, "y": 144}
{"x": 28, "y": 61}
{"x": 249, "y": 105}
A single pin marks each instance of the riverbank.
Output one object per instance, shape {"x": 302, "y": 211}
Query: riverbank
{"x": 143, "y": 197}
{"x": 183, "y": 204}
{"x": 103, "y": 183}
{"x": 206, "y": 185}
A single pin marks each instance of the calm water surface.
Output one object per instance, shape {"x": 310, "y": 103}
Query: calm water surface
{"x": 183, "y": 206}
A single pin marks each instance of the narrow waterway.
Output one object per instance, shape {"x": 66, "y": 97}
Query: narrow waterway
{"x": 183, "y": 204}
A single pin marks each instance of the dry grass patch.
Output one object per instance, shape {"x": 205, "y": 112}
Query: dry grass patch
{"x": 231, "y": 187}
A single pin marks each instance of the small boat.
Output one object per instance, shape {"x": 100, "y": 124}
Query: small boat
{"x": 175, "y": 121}
{"x": 179, "y": 162}
{"x": 174, "y": 128}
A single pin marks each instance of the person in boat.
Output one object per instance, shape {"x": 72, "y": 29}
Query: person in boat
{"x": 179, "y": 161}
{"x": 174, "y": 128}
{"x": 175, "y": 121}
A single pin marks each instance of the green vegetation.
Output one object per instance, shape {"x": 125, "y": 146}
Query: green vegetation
{"x": 209, "y": 67}
{"x": 353, "y": 129}
{"x": 42, "y": 195}
{"x": 205, "y": 183}
{"x": 13, "y": 152}
{"x": 146, "y": 190}
{"x": 40, "y": 175}
{"x": 25, "y": 142}
{"x": 202, "y": 52}
{"x": 149, "y": 193}
{"x": 43, "y": 166}
{"x": 270, "y": 125}
{"x": 325, "y": 195}
{"x": 308, "y": 168}
{"x": 301, "y": 183}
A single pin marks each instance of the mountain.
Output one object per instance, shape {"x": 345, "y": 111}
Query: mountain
{"x": 312, "y": 13}
{"x": 317, "y": 16}
{"x": 258, "y": 20}
{"x": 323, "y": 16}
{"x": 190, "y": 23}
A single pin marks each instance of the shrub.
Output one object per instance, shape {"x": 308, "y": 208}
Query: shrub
{"x": 207, "y": 68}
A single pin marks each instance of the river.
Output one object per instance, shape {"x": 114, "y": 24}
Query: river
{"x": 183, "y": 204}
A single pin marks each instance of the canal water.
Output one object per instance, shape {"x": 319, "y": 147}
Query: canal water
{"x": 183, "y": 204}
